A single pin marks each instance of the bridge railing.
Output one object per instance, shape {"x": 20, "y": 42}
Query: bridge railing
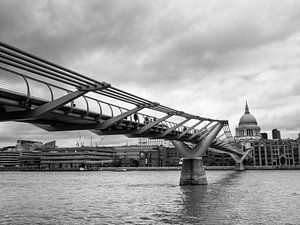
{"x": 31, "y": 87}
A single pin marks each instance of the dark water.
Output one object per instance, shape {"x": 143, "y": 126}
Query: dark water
{"x": 251, "y": 197}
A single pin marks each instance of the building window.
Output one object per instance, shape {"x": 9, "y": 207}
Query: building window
{"x": 249, "y": 132}
{"x": 281, "y": 150}
{"x": 241, "y": 133}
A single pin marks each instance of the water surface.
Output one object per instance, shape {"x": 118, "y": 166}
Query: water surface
{"x": 149, "y": 197}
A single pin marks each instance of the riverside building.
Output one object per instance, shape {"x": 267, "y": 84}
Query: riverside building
{"x": 32, "y": 155}
{"x": 9, "y": 158}
{"x": 148, "y": 153}
{"x": 275, "y": 152}
{"x": 248, "y": 130}
{"x": 86, "y": 158}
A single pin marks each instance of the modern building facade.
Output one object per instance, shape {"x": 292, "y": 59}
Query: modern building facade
{"x": 27, "y": 145}
{"x": 87, "y": 158}
{"x": 30, "y": 160}
{"x": 48, "y": 157}
{"x": 212, "y": 158}
{"x": 32, "y": 155}
{"x": 144, "y": 155}
{"x": 9, "y": 160}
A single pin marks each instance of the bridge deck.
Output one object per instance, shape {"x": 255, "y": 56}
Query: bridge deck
{"x": 28, "y": 93}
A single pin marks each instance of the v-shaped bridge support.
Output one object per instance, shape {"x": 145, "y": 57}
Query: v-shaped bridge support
{"x": 192, "y": 172}
{"x": 233, "y": 152}
{"x": 239, "y": 166}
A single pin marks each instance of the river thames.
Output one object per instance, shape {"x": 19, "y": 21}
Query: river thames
{"x": 149, "y": 197}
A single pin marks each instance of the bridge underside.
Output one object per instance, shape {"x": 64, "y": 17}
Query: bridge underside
{"x": 66, "y": 118}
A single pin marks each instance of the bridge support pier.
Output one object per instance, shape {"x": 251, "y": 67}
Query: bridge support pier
{"x": 239, "y": 166}
{"x": 193, "y": 172}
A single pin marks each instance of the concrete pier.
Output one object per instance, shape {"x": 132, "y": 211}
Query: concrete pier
{"x": 239, "y": 166}
{"x": 193, "y": 172}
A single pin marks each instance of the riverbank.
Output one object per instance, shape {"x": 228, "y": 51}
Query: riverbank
{"x": 297, "y": 167}
{"x": 123, "y": 169}
{"x": 120, "y": 169}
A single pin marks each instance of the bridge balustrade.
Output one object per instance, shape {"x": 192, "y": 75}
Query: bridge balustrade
{"x": 13, "y": 82}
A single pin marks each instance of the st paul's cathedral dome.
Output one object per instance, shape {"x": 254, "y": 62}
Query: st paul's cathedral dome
{"x": 247, "y": 128}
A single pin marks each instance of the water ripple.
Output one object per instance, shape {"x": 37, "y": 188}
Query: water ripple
{"x": 149, "y": 197}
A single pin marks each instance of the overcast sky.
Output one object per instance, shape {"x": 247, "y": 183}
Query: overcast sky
{"x": 202, "y": 57}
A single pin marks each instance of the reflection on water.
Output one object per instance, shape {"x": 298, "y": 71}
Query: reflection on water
{"x": 202, "y": 203}
{"x": 145, "y": 197}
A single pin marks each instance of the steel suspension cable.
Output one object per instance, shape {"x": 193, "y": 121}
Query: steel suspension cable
{"x": 77, "y": 75}
{"x": 49, "y": 74}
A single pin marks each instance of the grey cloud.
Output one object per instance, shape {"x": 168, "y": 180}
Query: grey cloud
{"x": 61, "y": 31}
{"x": 289, "y": 121}
{"x": 295, "y": 89}
{"x": 170, "y": 47}
{"x": 202, "y": 50}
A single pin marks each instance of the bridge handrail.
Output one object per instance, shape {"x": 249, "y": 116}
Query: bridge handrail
{"x": 26, "y": 77}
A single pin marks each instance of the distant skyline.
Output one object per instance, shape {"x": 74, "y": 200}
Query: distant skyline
{"x": 202, "y": 57}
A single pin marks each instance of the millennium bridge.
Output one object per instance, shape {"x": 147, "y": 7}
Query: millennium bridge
{"x": 51, "y": 97}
